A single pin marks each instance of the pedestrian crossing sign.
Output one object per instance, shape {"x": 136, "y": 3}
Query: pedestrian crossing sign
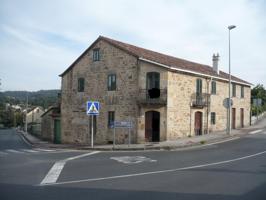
{"x": 93, "y": 108}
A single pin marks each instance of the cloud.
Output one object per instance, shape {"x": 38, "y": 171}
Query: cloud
{"x": 41, "y": 39}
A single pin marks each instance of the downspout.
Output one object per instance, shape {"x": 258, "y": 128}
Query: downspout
{"x": 190, "y": 119}
{"x": 139, "y": 108}
{"x": 208, "y": 102}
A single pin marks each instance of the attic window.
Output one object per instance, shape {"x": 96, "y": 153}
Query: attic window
{"x": 96, "y": 55}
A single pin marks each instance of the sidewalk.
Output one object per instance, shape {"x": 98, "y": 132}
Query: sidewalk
{"x": 165, "y": 145}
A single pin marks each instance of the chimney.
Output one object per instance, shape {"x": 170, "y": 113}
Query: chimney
{"x": 215, "y": 59}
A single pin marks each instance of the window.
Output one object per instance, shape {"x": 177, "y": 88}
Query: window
{"x": 152, "y": 80}
{"x": 234, "y": 90}
{"x": 111, "y": 82}
{"x": 242, "y": 91}
{"x": 96, "y": 54}
{"x": 213, "y": 117}
{"x": 111, "y": 118}
{"x": 81, "y": 82}
{"x": 213, "y": 87}
{"x": 199, "y": 86}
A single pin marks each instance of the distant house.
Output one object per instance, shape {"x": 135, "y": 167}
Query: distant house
{"x": 50, "y": 125}
{"x": 165, "y": 97}
{"x": 34, "y": 120}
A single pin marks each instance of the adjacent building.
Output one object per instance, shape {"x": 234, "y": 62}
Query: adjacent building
{"x": 165, "y": 97}
{"x": 50, "y": 126}
{"x": 34, "y": 120}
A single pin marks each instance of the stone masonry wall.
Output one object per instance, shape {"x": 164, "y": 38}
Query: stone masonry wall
{"x": 74, "y": 121}
{"x": 47, "y": 127}
{"x": 180, "y": 115}
{"x": 176, "y": 117}
{"x": 144, "y": 68}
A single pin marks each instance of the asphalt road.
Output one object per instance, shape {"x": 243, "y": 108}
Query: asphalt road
{"x": 232, "y": 170}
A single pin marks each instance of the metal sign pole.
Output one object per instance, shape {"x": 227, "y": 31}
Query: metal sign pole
{"x": 92, "y": 131}
{"x": 114, "y": 139}
{"x": 128, "y": 137}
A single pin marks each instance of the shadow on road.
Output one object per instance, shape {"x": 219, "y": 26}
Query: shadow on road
{"x": 59, "y": 192}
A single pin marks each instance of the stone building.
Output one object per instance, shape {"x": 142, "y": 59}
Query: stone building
{"x": 34, "y": 120}
{"x": 50, "y": 126}
{"x": 165, "y": 97}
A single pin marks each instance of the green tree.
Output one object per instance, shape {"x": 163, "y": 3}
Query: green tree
{"x": 259, "y": 92}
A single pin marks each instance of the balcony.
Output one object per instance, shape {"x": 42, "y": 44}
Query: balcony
{"x": 153, "y": 97}
{"x": 200, "y": 100}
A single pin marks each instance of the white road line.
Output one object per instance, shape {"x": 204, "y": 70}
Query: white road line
{"x": 45, "y": 150}
{"x": 29, "y": 150}
{"x": 3, "y": 153}
{"x": 235, "y": 138}
{"x": 82, "y": 155}
{"x": 55, "y": 171}
{"x": 13, "y": 151}
{"x": 254, "y": 132}
{"x": 158, "y": 172}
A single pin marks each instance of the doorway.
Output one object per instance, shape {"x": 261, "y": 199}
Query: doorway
{"x": 242, "y": 117}
{"x": 57, "y": 131}
{"x": 152, "y": 126}
{"x": 233, "y": 118}
{"x": 198, "y": 123}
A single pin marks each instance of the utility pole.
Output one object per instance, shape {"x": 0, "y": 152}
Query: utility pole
{"x": 229, "y": 95}
{"x": 26, "y": 123}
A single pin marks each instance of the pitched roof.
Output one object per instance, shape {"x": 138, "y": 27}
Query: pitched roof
{"x": 169, "y": 61}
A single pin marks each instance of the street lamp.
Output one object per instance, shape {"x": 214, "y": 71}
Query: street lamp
{"x": 229, "y": 99}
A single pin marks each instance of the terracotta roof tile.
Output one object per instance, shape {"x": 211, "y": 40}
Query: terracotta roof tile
{"x": 160, "y": 58}
{"x": 170, "y": 60}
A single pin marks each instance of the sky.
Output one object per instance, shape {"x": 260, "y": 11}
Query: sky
{"x": 40, "y": 39}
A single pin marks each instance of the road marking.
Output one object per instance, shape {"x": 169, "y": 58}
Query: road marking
{"x": 30, "y": 150}
{"x": 13, "y": 151}
{"x": 46, "y": 150}
{"x": 235, "y": 138}
{"x": 57, "y": 168}
{"x": 132, "y": 159}
{"x": 3, "y": 153}
{"x": 254, "y": 132}
{"x": 157, "y": 172}
{"x": 54, "y": 173}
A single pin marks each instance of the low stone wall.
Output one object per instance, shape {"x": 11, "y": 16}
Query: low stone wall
{"x": 254, "y": 119}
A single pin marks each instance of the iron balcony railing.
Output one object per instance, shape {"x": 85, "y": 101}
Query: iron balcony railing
{"x": 200, "y": 100}
{"x": 152, "y": 96}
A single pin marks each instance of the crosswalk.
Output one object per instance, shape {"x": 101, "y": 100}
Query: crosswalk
{"x": 5, "y": 152}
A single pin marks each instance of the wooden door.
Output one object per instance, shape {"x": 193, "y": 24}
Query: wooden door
{"x": 198, "y": 123}
{"x": 156, "y": 126}
{"x": 152, "y": 126}
{"x": 57, "y": 131}
{"x": 233, "y": 118}
{"x": 148, "y": 126}
{"x": 242, "y": 117}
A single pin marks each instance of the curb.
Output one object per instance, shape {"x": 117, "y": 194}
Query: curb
{"x": 164, "y": 148}
{"x": 26, "y": 140}
{"x": 189, "y": 144}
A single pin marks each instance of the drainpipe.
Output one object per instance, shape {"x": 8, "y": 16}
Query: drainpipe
{"x": 190, "y": 120}
{"x": 138, "y": 114}
{"x": 208, "y": 100}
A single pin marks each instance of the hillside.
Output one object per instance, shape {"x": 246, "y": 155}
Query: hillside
{"x": 44, "y": 98}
